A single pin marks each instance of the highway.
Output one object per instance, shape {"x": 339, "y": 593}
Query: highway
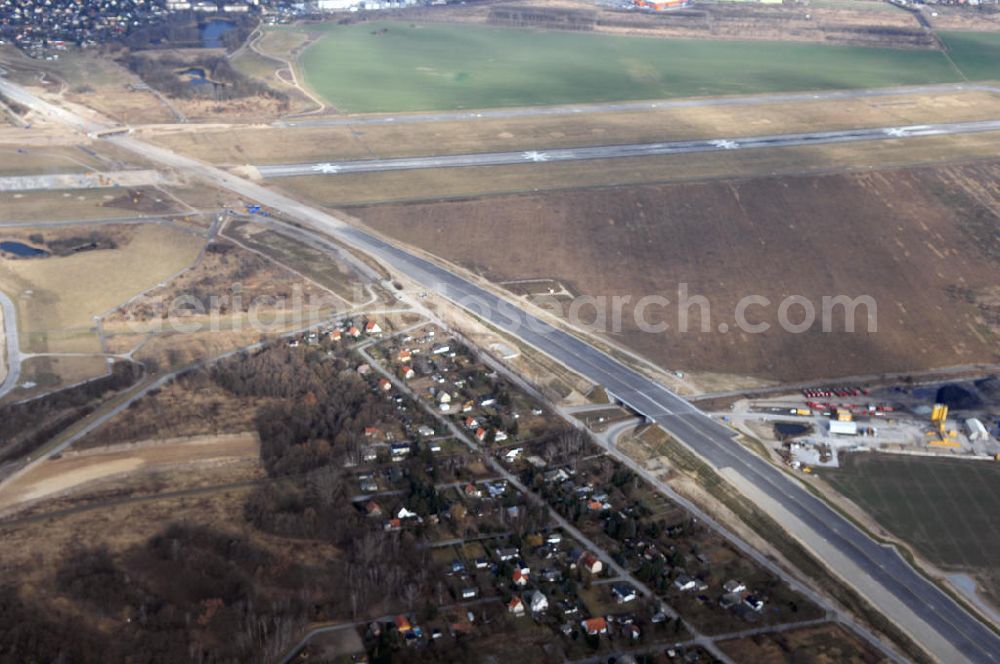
{"x": 618, "y": 107}
{"x": 13, "y": 355}
{"x": 623, "y": 151}
{"x": 921, "y": 609}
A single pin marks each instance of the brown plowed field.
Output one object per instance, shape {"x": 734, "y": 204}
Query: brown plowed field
{"x": 924, "y": 242}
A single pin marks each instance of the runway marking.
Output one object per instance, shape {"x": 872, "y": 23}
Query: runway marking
{"x": 532, "y": 155}
{"x": 726, "y": 144}
{"x": 326, "y": 168}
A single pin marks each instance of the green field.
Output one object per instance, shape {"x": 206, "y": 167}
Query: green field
{"x": 946, "y": 508}
{"x": 977, "y": 54}
{"x": 359, "y": 68}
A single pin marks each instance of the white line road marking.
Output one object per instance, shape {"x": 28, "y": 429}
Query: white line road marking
{"x": 532, "y": 155}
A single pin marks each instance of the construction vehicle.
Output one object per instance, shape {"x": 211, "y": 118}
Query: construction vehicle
{"x": 942, "y": 437}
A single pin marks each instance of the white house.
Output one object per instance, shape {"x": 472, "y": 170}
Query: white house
{"x": 684, "y": 582}
{"x": 539, "y": 602}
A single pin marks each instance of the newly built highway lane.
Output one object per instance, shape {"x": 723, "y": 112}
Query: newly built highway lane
{"x": 12, "y": 357}
{"x": 624, "y": 151}
{"x": 922, "y": 610}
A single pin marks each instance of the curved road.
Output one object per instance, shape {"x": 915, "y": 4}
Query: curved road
{"x": 623, "y": 151}
{"x": 13, "y": 355}
{"x": 920, "y": 607}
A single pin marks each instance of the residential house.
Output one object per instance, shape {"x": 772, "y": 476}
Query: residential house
{"x": 538, "y": 602}
{"x": 501, "y": 436}
{"x": 734, "y": 586}
{"x": 480, "y": 434}
{"x": 425, "y": 430}
{"x": 384, "y": 384}
{"x": 684, "y": 583}
{"x": 371, "y": 327}
{"x": 516, "y": 606}
{"x": 597, "y": 506}
{"x": 473, "y": 491}
{"x": 353, "y": 332}
{"x": 470, "y": 593}
{"x": 753, "y": 602}
{"x": 595, "y": 626}
{"x": 407, "y": 372}
{"x": 335, "y": 334}
{"x": 405, "y": 355}
{"x": 591, "y": 563}
{"x": 623, "y": 592}
{"x": 471, "y": 423}
{"x": 403, "y": 624}
{"x": 558, "y": 476}
{"x": 373, "y": 509}
{"x": 508, "y": 553}
{"x": 405, "y": 513}
{"x": 496, "y": 489}
{"x": 520, "y": 576}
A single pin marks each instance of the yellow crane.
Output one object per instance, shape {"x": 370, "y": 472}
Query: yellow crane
{"x": 942, "y": 437}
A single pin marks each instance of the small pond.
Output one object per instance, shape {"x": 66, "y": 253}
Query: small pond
{"x": 21, "y": 250}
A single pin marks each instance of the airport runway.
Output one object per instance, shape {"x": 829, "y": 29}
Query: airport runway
{"x": 922, "y": 609}
{"x": 541, "y": 155}
{"x": 613, "y": 107}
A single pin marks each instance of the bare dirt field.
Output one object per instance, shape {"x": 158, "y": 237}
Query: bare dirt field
{"x": 75, "y": 470}
{"x": 922, "y": 242}
{"x": 980, "y": 19}
{"x": 823, "y": 643}
{"x": 862, "y": 22}
{"x": 261, "y": 145}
